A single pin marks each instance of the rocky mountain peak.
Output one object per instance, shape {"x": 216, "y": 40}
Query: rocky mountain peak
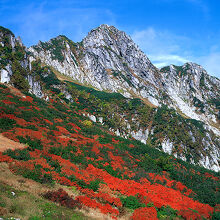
{"x": 111, "y": 38}
{"x": 116, "y": 50}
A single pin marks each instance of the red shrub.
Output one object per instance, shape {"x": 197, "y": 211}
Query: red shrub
{"x": 60, "y": 196}
{"x": 7, "y": 102}
{"x": 190, "y": 215}
{"x": 147, "y": 213}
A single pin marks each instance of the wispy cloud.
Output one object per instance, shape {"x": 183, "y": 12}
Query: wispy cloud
{"x": 164, "y": 60}
{"x": 46, "y": 19}
{"x": 162, "y": 47}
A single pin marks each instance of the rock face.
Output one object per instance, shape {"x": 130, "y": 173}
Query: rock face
{"x": 5, "y": 74}
{"x": 108, "y": 60}
{"x": 15, "y": 64}
{"x": 193, "y": 92}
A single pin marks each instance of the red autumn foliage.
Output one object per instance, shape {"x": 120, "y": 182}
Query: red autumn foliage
{"x": 190, "y": 215}
{"x": 58, "y": 120}
{"x": 9, "y": 96}
{"x": 217, "y": 208}
{"x": 74, "y": 126}
{"x": 105, "y": 198}
{"x": 10, "y": 116}
{"x": 5, "y": 158}
{"x": 62, "y": 130}
{"x": 105, "y": 209}
{"x": 26, "y": 99}
{"x": 146, "y": 213}
{"x": 48, "y": 122}
{"x": 28, "y": 132}
{"x": 7, "y": 102}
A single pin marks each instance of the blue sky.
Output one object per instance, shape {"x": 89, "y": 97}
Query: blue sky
{"x": 168, "y": 31}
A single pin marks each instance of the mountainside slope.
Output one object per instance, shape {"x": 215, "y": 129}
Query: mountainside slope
{"x": 118, "y": 177}
{"x": 122, "y": 67}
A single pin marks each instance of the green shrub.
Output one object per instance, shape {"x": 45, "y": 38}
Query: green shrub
{"x": 6, "y": 124}
{"x": 167, "y": 213}
{"x": 18, "y": 154}
{"x": 32, "y": 144}
{"x": 94, "y": 185}
{"x": 37, "y": 175}
{"x": 216, "y": 216}
{"x": 131, "y": 202}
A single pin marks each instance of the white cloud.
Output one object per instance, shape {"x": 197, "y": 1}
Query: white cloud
{"x": 162, "y": 47}
{"x": 165, "y": 60}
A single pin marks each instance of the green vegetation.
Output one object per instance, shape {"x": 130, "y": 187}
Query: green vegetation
{"x": 25, "y": 205}
{"x": 165, "y": 69}
{"x": 119, "y": 75}
{"x": 202, "y": 80}
{"x": 199, "y": 104}
{"x": 6, "y": 31}
{"x": 6, "y": 124}
{"x": 18, "y": 154}
{"x": 167, "y": 212}
{"x": 180, "y": 70}
{"x": 91, "y": 143}
{"x": 13, "y": 56}
{"x": 165, "y": 121}
{"x": 132, "y": 202}
{"x": 55, "y": 46}
{"x": 32, "y": 144}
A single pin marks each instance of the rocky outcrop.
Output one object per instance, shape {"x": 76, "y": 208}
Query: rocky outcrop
{"x": 109, "y": 60}
{"x": 193, "y": 92}
{"x": 106, "y": 59}
{"x": 14, "y": 59}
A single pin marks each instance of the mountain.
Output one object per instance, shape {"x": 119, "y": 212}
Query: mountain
{"x": 108, "y": 60}
{"x": 86, "y": 126}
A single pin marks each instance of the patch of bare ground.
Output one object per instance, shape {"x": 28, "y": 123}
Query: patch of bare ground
{"x": 6, "y": 143}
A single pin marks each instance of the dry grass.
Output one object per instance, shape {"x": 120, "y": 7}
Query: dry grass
{"x": 27, "y": 200}
{"x": 145, "y": 100}
{"x": 62, "y": 77}
{"x": 59, "y": 75}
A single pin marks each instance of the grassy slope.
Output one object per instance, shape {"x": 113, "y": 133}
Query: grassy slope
{"x": 20, "y": 198}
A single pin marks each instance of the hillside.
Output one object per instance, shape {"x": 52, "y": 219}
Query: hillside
{"x": 175, "y": 109}
{"x": 108, "y": 173}
{"x": 98, "y": 154}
